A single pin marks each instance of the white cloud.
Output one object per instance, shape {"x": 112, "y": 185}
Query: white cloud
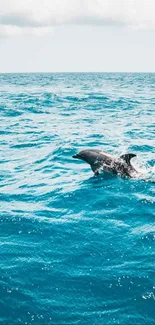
{"x": 38, "y": 16}
{"x": 9, "y": 30}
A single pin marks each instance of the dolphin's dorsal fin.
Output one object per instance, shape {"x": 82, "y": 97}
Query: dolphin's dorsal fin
{"x": 127, "y": 157}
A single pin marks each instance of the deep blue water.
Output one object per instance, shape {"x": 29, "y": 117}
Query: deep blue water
{"x": 74, "y": 248}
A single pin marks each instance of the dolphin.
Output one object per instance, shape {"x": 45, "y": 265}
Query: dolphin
{"x": 100, "y": 160}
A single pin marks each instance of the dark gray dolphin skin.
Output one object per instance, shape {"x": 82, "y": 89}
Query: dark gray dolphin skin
{"x": 100, "y": 160}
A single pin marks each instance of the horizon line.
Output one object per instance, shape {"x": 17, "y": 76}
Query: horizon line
{"x": 67, "y": 72}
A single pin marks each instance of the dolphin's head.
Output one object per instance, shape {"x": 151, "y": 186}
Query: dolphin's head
{"x": 77, "y": 156}
{"x": 88, "y": 156}
{"x": 81, "y": 155}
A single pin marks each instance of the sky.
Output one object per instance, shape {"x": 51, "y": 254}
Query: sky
{"x": 77, "y": 35}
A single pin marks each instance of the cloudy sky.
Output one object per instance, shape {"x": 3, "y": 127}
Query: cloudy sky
{"x": 77, "y": 35}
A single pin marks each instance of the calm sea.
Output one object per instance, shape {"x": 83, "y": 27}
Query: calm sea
{"x": 74, "y": 248}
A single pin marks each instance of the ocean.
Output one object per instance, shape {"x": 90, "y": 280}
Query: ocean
{"x": 75, "y": 248}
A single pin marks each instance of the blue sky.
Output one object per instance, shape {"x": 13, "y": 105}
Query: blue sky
{"x": 77, "y": 35}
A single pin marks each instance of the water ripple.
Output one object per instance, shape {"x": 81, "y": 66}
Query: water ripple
{"x": 76, "y": 249}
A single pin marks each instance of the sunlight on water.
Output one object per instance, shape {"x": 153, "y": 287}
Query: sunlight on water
{"x": 76, "y": 249}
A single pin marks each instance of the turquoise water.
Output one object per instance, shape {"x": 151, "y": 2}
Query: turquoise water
{"x": 76, "y": 249}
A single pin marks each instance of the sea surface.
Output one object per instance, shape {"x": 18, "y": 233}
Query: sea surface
{"x": 74, "y": 248}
